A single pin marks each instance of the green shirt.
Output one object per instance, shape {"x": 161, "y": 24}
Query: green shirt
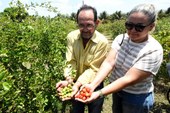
{"x": 86, "y": 61}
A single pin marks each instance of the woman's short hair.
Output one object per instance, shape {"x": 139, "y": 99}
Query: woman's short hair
{"x": 147, "y": 9}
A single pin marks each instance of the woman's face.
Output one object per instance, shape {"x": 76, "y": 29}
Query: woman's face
{"x": 138, "y": 27}
{"x": 86, "y": 23}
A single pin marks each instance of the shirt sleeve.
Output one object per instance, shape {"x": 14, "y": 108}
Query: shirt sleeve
{"x": 150, "y": 61}
{"x": 118, "y": 41}
{"x": 89, "y": 74}
{"x": 70, "y": 58}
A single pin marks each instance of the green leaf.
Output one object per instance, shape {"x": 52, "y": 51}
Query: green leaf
{"x": 6, "y": 86}
{"x": 26, "y": 64}
{"x": 2, "y": 75}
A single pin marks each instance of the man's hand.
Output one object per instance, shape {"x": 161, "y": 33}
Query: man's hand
{"x": 76, "y": 87}
{"x": 60, "y": 85}
{"x": 64, "y": 90}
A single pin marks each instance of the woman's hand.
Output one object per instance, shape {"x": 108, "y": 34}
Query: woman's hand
{"x": 94, "y": 96}
{"x": 85, "y": 93}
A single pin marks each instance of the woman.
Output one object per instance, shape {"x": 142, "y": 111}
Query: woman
{"x": 134, "y": 60}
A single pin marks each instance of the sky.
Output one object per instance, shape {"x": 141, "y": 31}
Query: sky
{"x": 69, "y": 6}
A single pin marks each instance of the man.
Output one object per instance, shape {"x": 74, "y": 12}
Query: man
{"x": 86, "y": 50}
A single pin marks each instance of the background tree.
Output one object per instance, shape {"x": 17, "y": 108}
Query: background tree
{"x": 103, "y": 15}
{"x": 73, "y": 16}
{"x": 167, "y": 11}
{"x": 16, "y": 13}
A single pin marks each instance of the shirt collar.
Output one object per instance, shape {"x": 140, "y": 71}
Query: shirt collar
{"x": 94, "y": 38}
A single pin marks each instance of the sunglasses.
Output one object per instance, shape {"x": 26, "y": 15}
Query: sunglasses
{"x": 138, "y": 27}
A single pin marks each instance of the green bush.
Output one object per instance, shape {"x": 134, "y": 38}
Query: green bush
{"x": 162, "y": 34}
{"x": 32, "y": 51}
{"x": 32, "y": 57}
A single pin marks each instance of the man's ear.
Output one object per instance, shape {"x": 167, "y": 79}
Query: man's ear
{"x": 97, "y": 22}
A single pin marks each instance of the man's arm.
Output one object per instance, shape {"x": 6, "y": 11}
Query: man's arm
{"x": 70, "y": 61}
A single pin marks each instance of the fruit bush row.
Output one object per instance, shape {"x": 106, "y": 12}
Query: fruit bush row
{"x": 32, "y": 55}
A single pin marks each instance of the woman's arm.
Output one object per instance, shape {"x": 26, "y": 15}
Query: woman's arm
{"x": 132, "y": 77}
{"x": 105, "y": 68}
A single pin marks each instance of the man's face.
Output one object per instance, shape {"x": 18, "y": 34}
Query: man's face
{"x": 86, "y": 23}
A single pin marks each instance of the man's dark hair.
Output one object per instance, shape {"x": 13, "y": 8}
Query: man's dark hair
{"x": 86, "y": 7}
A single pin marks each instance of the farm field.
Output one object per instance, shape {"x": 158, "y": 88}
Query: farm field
{"x": 32, "y": 58}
